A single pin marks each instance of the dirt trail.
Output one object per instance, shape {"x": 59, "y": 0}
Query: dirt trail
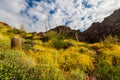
{"x": 96, "y": 56}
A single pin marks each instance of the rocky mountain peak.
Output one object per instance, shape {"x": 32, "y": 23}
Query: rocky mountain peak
{"x": 113, "y": 18}
{"x": 110, "y": 25}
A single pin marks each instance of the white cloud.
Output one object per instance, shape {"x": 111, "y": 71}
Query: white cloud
{"x": 9, "y": 12}
{"x": 80, "y": 16}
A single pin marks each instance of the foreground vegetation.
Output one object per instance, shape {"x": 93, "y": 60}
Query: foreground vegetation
{"x": 53, "y": 57}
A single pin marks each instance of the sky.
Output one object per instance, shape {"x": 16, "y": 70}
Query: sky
{"x": 36, "y": 15}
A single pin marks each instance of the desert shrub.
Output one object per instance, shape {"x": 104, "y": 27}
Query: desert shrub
{"x": 85, "y": 50}
{"x": 10, "y": 66}
{"x": 36, "y": 37}
{"x": 67, "y": 44}
{"x": 4, "y": 41}
{"x": 57, "y": 40}
{"x": 115, "y": 60}
{"x": 45, "y": 38}
{"x": 11, "y": 71}
{"x": 4, "y": 30}
{"x": 109, "y": 41}
{"x": 112, "y": 55}
{"x": 61, "y": 44}
{"x": 47, "y": 72}
{"x": 16, "y": 66}
{"x": 15, "y": 31}
{"x": 74, "y": 60}
{"x": 58, "y": 44}
{"x": 40, "y": 48}
{"x": 47, "y": 67}
{"x": 48, "y": 36}
{"x": 75, "y": 75}
{"x": 28, "y": 44}
{"x": 2, "y": 56}
{"x": 28, "y": 36}
{"x": 105, "y": 71}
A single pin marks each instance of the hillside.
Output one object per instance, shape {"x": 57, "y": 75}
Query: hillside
{"x": 60, "y": 54}
{"x": 96, "y": 32}
{"x": 110, "y": 25}
{"x": 70, "y": 33}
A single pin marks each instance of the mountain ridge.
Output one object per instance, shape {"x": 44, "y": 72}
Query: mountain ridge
{"x": 97, "y": 31}
{"x": 109, "y": 26}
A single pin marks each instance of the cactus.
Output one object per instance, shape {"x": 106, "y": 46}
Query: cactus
{"x": 16, "y": 43}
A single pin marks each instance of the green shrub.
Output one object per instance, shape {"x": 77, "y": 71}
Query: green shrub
{"x": 15, "y": 31}
{"x": 36, "y": 38}
{"x": 11, "y": 71}
{"x": 83, "y": 50}
{"x": 17, "y": 66}
{"x": 10, "y": 67}
{"x": 109, "y": 41}
{"x": 61, "y": 44}
{"x": 48, "y": 36}
{"x": 67, "y": 44}
{"x": 4, "y": 41}
{"x": 105, "y": 71}
{"x": 28, "y": 44}
{"x": 76, "y": 75}
{"x": 2, "y": 56}
{"x": 28, "y": 36}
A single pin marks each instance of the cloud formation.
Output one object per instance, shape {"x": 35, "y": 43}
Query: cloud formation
{"x": 36, "y": 14}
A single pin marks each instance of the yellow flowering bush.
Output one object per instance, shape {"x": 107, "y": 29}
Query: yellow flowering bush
{"x": 72, "y": 60}
{"x": 54, "y": 57}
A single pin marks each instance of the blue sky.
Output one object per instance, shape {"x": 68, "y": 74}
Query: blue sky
{"x": 36, "y": 14}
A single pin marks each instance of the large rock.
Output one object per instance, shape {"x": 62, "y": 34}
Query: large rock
{"x": 16, "y": 43}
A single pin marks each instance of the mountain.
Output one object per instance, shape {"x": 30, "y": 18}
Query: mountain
{"x": 68, "y": 32}
{"x": 96, "y": 32}
{"x": 110, "y": 25}
{"x": 49, "y": 56}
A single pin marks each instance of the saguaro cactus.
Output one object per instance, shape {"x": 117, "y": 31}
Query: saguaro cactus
{"x": 16, "y": 43}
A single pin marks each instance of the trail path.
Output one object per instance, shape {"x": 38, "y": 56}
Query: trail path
{"x": 96, "y": 56}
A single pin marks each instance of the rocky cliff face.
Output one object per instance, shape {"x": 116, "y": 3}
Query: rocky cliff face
{"x": 110, "y": 25}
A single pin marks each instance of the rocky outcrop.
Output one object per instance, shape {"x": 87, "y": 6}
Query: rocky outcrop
{"x": 110, "y": 25}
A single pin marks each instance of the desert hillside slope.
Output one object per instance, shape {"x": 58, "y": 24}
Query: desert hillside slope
{"x": 61, "y": 53}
